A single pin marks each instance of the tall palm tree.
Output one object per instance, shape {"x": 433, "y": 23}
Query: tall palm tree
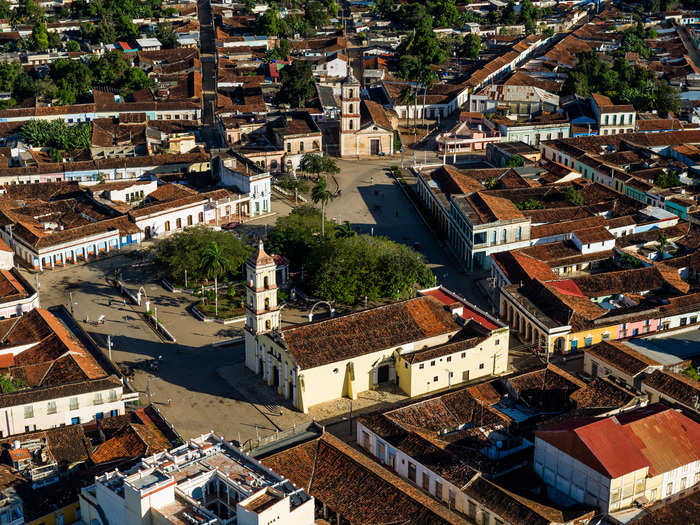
{"x": 320, "y": 193}
{"x": 345, "y": 231}
{"x": 407, "y": 96}
{"x": 215, "y": 264}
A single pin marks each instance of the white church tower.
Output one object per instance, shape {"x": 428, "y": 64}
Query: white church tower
{"x": 349, "y": 114}
{"x": 262, "y": 314}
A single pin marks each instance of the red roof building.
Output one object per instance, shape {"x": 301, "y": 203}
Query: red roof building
{"x": 643, "y": 455}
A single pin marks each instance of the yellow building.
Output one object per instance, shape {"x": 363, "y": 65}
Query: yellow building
{"x": 365, "y": 126}
{"x": 422, "y": 344}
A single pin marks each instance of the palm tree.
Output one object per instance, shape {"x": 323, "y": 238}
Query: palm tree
{"x": 407, "y": 96}
{"x": 214, "y": 264}
{"x": 320, "y": 193}
{"x": 345, "y": 231}
{"x": 661, "y": 241}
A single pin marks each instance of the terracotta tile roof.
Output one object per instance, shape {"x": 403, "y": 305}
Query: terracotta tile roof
{"x": 373, "y": 113}
{"x": 632, "y": 281}
{"x": 340, "y": 477}
{"x": 548, "y": 387}
{"x": 453, "y": 181}
{"x": 153, "y": 208}
{"x": 560, "y": 228}
{"x": 463, "y": 341}
{"x": 12, "y": 287}
{"x": 621, "y": 357}
{"x": 126, "y": 444}
{"x": 679, "y": 387}
{"x": 592, "y": 235}
{"x": 513, "y": 507}
{"x": 171, "y": 192}
{"x": 368, "y": 331}
{"x": 519, "y": 267}
{"x": 602, "y": 394}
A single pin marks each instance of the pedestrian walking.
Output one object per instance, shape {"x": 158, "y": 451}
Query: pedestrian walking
{"x": 170, "y": 401}
{"x": 124, "y": 301}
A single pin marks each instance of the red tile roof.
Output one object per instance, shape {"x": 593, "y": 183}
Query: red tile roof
{"x": 467, "y": 312}
{"x": 348, "y": 336}
{"x": 655, "y": 436}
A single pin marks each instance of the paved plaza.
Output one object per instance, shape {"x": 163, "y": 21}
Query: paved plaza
{"x": 201, "y": 383}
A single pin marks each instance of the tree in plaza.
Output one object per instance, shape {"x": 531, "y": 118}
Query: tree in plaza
{"x": 321, "y": 193}
{"x": 215, "y": 264}
{"x": 343, "y": 231}
{"x": 311, "y": 163}
{"x": 297, "y": 84}
{"x": 183, "y": 252}
{"x": 360, "y": 266}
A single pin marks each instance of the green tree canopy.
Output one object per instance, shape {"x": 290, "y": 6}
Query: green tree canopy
{"x": 622, "y": 82}
{"x": 186, "y": 250}
{"x": 668, "y": 179}
{"x": 516, "y": 161}
{"x": 573, "y": 196}
{"x": 316, "y": 13}
{"x": 346, "y": 268}
{"x": 166, "y": 35}
{"x": 471, "y": 46}
{"x": 58, "y": 135}
{"x": 297, "y": 84}
{"x": 72, "y": 46}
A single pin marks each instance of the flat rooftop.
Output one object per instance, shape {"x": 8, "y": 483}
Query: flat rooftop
{"x": 671, "y": 349}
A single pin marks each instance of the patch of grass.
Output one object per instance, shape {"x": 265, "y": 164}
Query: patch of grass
{"x": 229, "y": 307}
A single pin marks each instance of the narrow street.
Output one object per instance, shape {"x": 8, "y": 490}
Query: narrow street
{"x": 208, "y": 57}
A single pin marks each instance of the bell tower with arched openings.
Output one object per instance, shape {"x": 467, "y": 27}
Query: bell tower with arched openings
{"x": 262, "y": 314}
{"x": 349, "y": 114}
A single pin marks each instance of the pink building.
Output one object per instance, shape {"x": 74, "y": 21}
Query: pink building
{"x": 634, "y": 328}
{"x": 467, "y": 136}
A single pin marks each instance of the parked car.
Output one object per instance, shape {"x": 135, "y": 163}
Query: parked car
{"x": 231, "y": 225}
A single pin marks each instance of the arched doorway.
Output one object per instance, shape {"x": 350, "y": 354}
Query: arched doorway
{"x": 559, "y": 344}
{"x": 147, "y": 232}
{"x": 275, "y": 377}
